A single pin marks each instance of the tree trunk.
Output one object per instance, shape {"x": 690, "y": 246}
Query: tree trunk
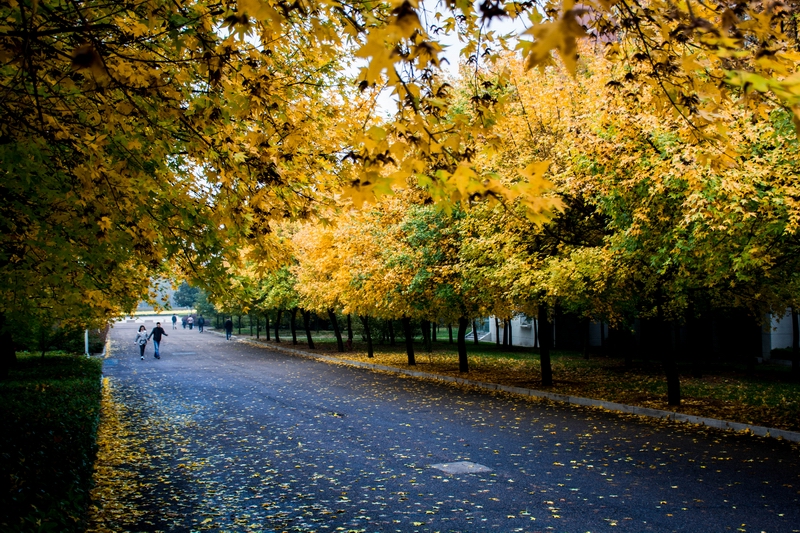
{"x": 307, "y": 326}
{"x": 475, "y": 331}
{"x": 434, "y": 330}
{"x": 266, "y": 325}
{"x": 426, "y": 335}
{"x": 250, "y": 322}
{"x": 668, "y": 361}
{"x": 336, "y": 330}
{"x": 277, "y": 326}
{"x": 409, "y": 341}
{"x": 752, "y": 352}
{"x": 510, "y": 334}
{"x": 258, "y": 328}
{"x": 391, "y": 332}
{"x": 602, "y": 337}
{"x": 349, "y": 329}
{"x": 544, "y": 346}
{"x": 368, "y": 332}
{"x": 795, "y": 345}
{"x": 44, "y": 339}
{"x": 450, "y": 332}
{"x": 463, "y": 361}
{"x": 293, "y": 324}
{"x": 535, "y": 333}
{"x": 497, "y": 331}
{"x": 505, "y": 333}
{"x": 693, "y": 342}
{"x": 587, "y": 325}
{"x": 239, "y": 320}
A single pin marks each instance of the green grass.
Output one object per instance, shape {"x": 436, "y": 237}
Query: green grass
{"x": 50, "y": 416}
{"x": 767, "y": 397}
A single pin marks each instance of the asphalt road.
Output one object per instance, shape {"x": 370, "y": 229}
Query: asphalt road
{"x": 242, "y": 438}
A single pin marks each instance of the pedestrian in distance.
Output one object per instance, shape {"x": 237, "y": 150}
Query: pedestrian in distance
{"x": 174, "y": 321}
{"x": 141, "y": 340}
{"x": 190, "y": 321}
{"x": 183, "y": 321}
{"x": 157, "y": 332}
{"x": 200, "y": 323}
{"x": 228, "y": 328}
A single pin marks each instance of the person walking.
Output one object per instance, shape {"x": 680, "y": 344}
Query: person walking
{"x": 183, "y": 321}
{"x": 190, "y": 321}
{"x": 174, "y": 321}
{"x": 200, "y": 323}
{"x": 157, "y": 332}
{"x": 228, "y": 328}
{"x": 141, "y": 340}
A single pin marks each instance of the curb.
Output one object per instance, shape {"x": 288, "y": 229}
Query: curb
{"x": 761, "y": 431}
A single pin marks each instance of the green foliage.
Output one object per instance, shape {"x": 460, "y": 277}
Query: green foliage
{"x": 36, "y": 334}
{"x": 50, "y": 412}
{"x": 203, "y": 306}
{"x": 186, "y": 295}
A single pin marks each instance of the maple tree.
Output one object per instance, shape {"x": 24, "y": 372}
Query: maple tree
{"x": 668, "y": 232}
{"x": 397, "y": 260}
{"x": 143, "y": 133}
{"x": 146, "y": 132}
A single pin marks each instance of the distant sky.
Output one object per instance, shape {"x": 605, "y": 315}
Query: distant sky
{"x": 452, "y": 47}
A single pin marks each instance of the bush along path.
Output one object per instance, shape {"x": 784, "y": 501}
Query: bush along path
{"x": 47, "y": 446}
{"x": 225, "y": 436}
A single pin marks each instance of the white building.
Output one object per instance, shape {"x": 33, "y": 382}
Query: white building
{"x": 523, "y": 332}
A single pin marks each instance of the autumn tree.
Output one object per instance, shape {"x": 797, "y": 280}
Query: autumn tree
{"x": 137, "y": 134}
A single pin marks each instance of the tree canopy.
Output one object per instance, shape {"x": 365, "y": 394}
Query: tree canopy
{"x": 144, "y": 138}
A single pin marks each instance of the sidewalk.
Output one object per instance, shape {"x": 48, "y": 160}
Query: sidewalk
{"x": 760, "y": 431}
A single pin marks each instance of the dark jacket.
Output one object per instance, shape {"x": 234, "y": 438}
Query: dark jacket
{"x": 156, "y": 333}
{"x": 229, "y": 325}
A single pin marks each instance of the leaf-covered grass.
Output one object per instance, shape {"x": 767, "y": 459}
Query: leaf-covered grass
{"x": 49, "y": 419}
{"x": 766, "y": 397}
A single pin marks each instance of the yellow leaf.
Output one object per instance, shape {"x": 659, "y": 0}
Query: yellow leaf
{"x": 535, "y": 171}
{"x": 560, "y": 35}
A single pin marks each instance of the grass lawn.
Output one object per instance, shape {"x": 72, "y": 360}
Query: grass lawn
{"x": 766, "y": 397}
{"x": 50, "y": 416}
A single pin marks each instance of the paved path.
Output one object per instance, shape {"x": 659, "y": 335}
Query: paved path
{"x": 241, "y": 438}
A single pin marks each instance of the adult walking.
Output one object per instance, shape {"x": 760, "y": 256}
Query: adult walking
{"x": 141, "y": 340}
{"x": 157, "y": 332}
{"x": 190, "y": 321}
{"x": 183, "y": 321}
{"x": 174, "y": 321}
{"x": 200, "y": 323}
{"x": 228, "y": 328}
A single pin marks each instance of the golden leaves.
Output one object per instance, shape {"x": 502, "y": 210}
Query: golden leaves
{"x": 561, "y": 35}
{"x": 115, "y": 483}
{"x": 85, "y": 58}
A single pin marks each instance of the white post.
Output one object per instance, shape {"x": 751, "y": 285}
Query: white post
{"x": 86, "y": 341}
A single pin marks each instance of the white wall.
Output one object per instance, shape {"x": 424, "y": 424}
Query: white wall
{"x": 781, "y": 335}
{"x": 520, "y": 336}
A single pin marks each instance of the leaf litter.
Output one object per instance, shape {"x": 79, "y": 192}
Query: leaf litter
{"x": 275, "y": 459}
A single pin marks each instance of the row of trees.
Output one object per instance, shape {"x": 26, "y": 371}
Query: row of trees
{"x": 646, "y": 226}
{"x": 143, "y": 138}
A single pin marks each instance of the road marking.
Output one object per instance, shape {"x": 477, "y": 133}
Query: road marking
{"x": 461, "y": 467}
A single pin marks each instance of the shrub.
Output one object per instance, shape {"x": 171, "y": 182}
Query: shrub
{"x": 50, "y": 412}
